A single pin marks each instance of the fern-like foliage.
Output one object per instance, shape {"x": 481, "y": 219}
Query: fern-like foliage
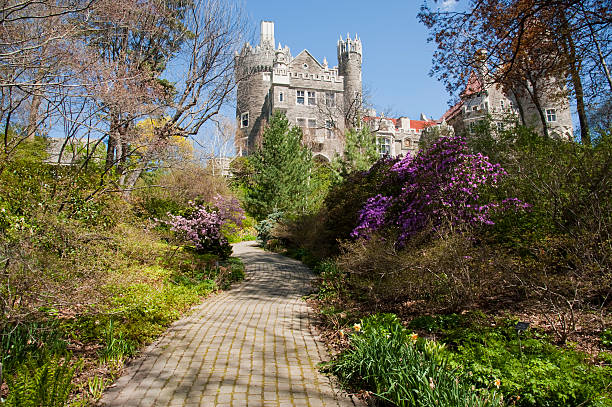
{"x": 47, "y": 385}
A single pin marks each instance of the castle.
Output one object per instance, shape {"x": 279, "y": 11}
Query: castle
{"x": 322, "y": 100}
{"x": 325, "y": 101}
{"x": 482, "y": 100}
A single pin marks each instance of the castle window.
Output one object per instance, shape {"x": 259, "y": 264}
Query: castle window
{"x": 551, "y": 115}
{"x": 501, "y": 104}
{"x": 407, "y": 143}
{"x": 312, "y": 127}
{"x": 329, "y": 127}
{"x": 500, "y": 126}
{"x": 301, "y": 123}
{"x": 383, "y": 145}
{"x": 281, "y": 97}
{"x": 475, "y": 108}
{"x": 300, "y": 97}
{"x": 312, "y": 101}
{"x": 244, "y": 120}
{"x": 330, "y": 99}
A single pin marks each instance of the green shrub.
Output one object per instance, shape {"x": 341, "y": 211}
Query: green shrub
{"x": 331, "y": 279}
{"x": 404, "y": 370}
{"x": 48, "y": 385}
{"x": 265, "y": 227}
{"x": 529, "y": 367}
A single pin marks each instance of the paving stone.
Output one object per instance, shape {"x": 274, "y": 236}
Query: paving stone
{"x": 251, "y": 345}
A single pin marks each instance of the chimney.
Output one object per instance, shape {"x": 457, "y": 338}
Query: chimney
{"x": 267, "y": 33}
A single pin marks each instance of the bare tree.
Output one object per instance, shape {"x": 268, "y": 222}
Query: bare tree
{"x": 508, "y": 29}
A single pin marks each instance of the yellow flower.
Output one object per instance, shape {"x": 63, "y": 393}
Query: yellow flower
{"x": 341, "y": 333}
{"x": 414, "y": 337}
{"x": 497, "y": 383}
{"x": 357, "y": 327}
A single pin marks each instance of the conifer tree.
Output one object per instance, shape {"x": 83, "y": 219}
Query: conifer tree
{"x": 282, "y": 169}
{"x": 359, "y": 153}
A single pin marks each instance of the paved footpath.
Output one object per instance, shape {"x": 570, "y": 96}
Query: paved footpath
{"x": 251, "y": 345}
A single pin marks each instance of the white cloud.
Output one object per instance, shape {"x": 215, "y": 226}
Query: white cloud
{"x": 448, "y": 5}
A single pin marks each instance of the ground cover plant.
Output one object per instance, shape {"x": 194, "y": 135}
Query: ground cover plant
{"x": 88, "y": 278}
{"x": 405, "y": 370}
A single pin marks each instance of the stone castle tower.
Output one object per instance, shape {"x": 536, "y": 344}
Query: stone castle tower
{"x": 319, "y": 99}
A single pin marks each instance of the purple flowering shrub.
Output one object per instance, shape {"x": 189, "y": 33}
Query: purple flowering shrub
{"x": 444, "y": 186}
{"x": 207, "y": 225}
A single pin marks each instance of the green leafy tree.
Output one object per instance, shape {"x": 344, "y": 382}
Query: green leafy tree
{"x": 359, "y": 152}
{"x": 282, "y": 167}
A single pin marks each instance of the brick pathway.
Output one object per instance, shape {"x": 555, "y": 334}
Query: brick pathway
{"x": 251, "y": 346}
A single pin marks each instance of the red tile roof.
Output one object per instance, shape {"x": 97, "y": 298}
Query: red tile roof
{"x": 453, "y": 111}
{"x": 414, "y": 124}
{"x": 474, "y": 85}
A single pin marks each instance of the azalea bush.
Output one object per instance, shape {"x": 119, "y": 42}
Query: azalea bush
{"x": 206, "y": 226}
{"x": 443, "y": 187}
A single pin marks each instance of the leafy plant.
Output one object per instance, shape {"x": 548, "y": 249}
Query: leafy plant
{"x": 331, "y": 279}
{"x": 48, "y": 385}
{"x": 29, "y": 339}
{"x": 606, "y": 338}
{"x": 404, "y": 370}
{"x": 531, "y": 370}
{"x": 116, "y": 347}
{"x": 95, "y": 386}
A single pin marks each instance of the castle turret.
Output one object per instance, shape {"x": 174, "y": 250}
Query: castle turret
{"x": 253, "y": 69}
{"x": 349, "y": 66}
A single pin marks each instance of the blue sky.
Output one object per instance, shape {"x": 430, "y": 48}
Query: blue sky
{"x": 396, "y": 55}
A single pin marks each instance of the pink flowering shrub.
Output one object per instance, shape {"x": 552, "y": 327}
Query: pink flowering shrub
{"x": 444, "y": 186}
{"x": 206, "y": 225}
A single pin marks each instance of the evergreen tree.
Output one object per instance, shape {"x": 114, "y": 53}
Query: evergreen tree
{"x": 359, "y": 152}
{"x": 282, "y": 170}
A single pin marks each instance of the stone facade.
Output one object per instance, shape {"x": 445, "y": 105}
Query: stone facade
{"x": 312, "y": 95}
{"x": 479, "y": 101}
{"x": 402, "y": 136}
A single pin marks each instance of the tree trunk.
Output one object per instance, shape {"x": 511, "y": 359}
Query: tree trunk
{"x": 519, "y": 106}
{"x": 535, "y": 98}
{"x": 112, "y": 142}
{"x": 569, "y": 48}
{"x": 33, "y": 117}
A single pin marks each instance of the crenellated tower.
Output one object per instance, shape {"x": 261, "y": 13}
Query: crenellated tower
{"x": 253, "y": 69}
{"x": 349, "y": 66}
{"x": 313, "y": 95}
